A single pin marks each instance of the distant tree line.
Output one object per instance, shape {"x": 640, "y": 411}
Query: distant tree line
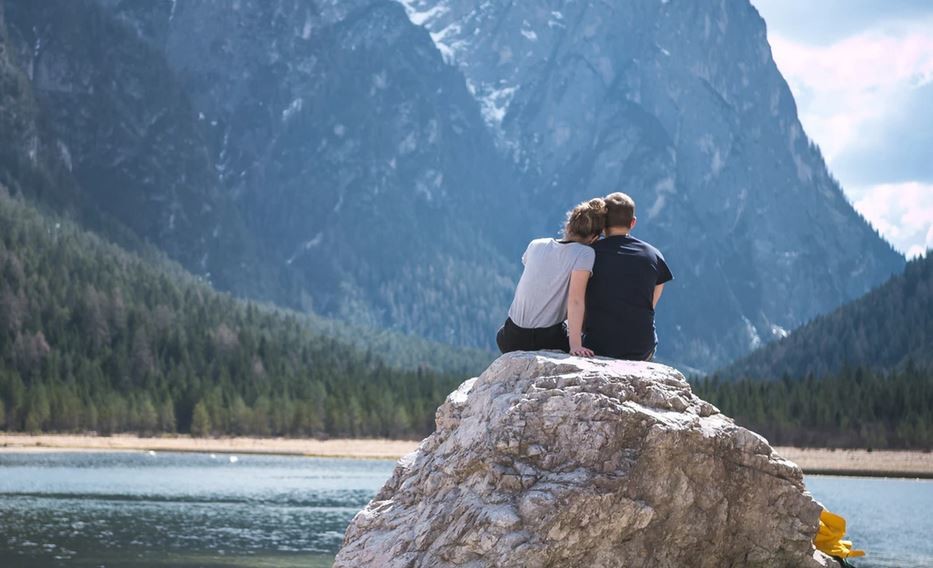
{"x": 861, "y": 376}
{"x": 93, "y": 338}
{"x": 852, "y": 408}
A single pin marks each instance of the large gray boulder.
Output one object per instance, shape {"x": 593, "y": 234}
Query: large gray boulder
{"x": 548, "y": 460}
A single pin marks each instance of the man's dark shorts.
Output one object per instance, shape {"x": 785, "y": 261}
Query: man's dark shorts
{"x": 649, "y": 356}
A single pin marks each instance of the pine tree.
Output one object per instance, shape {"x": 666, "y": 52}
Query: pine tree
{"x": 200, "y": 420}
{"x": 167, "y": 417}
{"x": 39, "y": 411}
{"x": 146, "y": 415}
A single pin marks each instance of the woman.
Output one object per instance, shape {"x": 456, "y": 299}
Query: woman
{"x": 553, "y": 287}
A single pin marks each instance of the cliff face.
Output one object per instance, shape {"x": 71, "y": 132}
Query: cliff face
{"x": 679, "y": 104}
{"x": 115, "y": 135}
{"x": 31, "y": 162}
{"x": 357, "y": 157}
{"x": 550, "y": 460}
{"x": 389, "y": 168}
{"x": 320, "y": 155}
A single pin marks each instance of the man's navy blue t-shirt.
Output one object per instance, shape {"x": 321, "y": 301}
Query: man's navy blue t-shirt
{"x": 619, "y": 298}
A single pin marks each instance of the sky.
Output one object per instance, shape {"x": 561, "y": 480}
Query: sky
{"x": 862, "y": 74}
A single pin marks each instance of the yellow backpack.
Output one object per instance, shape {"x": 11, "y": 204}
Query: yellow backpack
{"x": 829, "y": 538}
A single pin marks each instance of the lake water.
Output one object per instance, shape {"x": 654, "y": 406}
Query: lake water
{"x": 167, "y": 509}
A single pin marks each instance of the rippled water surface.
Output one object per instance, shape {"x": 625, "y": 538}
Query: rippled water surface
{"x": 140, "y": 509}
{"x": 891, "y": 519}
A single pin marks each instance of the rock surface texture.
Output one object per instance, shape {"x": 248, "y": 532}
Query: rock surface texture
{"x": 550, "y": 460}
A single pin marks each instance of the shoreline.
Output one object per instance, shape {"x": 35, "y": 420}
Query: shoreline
{"x": 910, "y": 464}
{"x": 357, "y": 448}
{"x": 813, "y": 461}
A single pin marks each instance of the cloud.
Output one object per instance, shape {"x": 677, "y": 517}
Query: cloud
{"x": 848, "y": 85}
{"x": 825, "y": 21}
{"x": 894, "y": 148}
{"x": 867, "y": 101}
{"x": 902, "y": 212}
{"x": 927, "y": 246}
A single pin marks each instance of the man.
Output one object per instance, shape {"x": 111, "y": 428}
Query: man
{"x": 628, "y": 278}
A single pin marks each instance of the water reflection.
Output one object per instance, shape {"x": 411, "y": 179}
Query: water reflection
{"x": 139, "y": 509}
{"x": 888, "y": 518}
{"x": 178, "y": 509}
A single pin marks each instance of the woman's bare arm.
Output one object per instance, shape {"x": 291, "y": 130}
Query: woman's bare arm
{"x": 576, "y": 305}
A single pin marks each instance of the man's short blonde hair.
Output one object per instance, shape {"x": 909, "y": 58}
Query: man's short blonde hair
{"x": 620, "y": 210}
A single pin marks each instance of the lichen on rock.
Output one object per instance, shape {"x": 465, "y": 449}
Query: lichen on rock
{"x": 547, "y": 460}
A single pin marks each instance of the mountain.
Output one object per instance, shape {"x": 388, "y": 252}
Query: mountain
{"x": 889, "y": 329}
{"x": 95, "y": 338}
{"x": 680, "y": 105}
{"x": 860, "y": 376}
{"x": 387, "y": 163}
{"x": 361, "y": 163}
{"x": 347, "y": 147}
{"x": 107, "y": 135}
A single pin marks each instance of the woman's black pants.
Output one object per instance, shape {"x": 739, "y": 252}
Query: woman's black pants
{"x": 514, "y": 338}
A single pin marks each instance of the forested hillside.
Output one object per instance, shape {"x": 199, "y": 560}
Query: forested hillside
{"x": 886, "y": 329}
{"x": 95, "y": 338}
{"x": 861, "y": 376}
{"x": 852, "y": 408}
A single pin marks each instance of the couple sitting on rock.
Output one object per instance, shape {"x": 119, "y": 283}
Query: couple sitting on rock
{"x": 588, "y": 295}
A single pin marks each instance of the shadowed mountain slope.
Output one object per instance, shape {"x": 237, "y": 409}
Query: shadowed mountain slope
{"x": 887, "y": 329}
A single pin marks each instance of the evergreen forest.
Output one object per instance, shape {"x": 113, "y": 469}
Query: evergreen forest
{"x": 854, "y": 407}
{"x": 97, "y": 339}
{"x": 93, "y": 338}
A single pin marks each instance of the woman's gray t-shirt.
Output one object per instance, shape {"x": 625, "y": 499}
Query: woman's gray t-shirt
{"x": 541, "y": 295}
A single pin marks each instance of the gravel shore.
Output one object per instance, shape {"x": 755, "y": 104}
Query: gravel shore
{"x": 813, "y": 460}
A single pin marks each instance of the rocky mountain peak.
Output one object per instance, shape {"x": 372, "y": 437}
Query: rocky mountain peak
{"x": 680, "y": 105}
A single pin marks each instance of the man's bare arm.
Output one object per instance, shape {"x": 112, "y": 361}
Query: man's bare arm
{"x": 657, "y": 295}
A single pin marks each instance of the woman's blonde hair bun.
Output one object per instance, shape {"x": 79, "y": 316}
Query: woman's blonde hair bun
{"x": 586, "y": 219}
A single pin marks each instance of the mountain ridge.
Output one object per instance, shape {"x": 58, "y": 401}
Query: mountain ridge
{"x": 386, "y": 163}
{"x": 411, "y": 162}
{"x": 886, "y": 330}
{"x": 709, "y": 146}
